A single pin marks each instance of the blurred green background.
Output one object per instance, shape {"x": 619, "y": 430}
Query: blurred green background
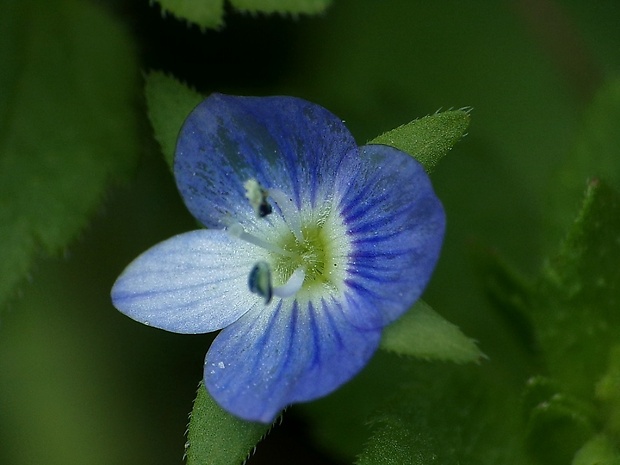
{"x": 82, "y": 384}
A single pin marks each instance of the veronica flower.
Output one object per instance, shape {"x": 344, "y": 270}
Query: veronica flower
{"x": 314, "y": 245}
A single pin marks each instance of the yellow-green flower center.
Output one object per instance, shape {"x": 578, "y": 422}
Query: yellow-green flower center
{"x": 314, "y": 255}
{"x": 306, "y": 249}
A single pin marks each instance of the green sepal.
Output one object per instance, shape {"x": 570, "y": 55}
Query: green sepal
{"x": 168, "y": 104}
{"x": 428, "y": 139}
{"x": 215, "y": 437}
{"x": 68, "y": 125}
{"x": 424, "y": 334}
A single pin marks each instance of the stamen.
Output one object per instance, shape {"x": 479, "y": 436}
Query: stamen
{"x": 292, "y": 286}
{"x": 259, "y": 282}
{"x": 257, "y": 197}
{"x": 237, "y": 230}
{"x": 289, "y": 212}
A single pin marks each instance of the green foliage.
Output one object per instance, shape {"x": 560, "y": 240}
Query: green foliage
{"x": 215, "y": 437}
{"x": 67, "y": 125}
{"x": 209, "y": 13}
{"x": 573, "y": 312}
{"x": 293, "y": 7}
{"x": 576, "y": 318}
{"x": 595, "y": 153}
{"x": 558, "y": 424}
{"x": 423, "y": 333}
{"x": 204, "y": 13}
{"x": 168, "y": 104}
{"x": 598, "y": 451}
{"x": 608, "y": 391}
{"x": 428, "y": 139}
{"x": 445, "y": 418}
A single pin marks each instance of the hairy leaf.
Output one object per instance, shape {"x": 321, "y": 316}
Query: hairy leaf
{"x": 282, "y": 6}
{"x": 209, "y": 13}
{"x": 446, "y": 418}
{"x": 577, "y": 319}
{"x": 67, "y": 125}
{"x": 596, "y": 153}
{"x": 425, "y": 334}
{"x": 428, "y": 139}
{"x": 215, "y": 437}
{"x": 168, "y": 103}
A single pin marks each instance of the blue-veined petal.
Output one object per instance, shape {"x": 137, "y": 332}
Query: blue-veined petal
{"x": 288, "y": 352}
{"x": 282, "y": 142}
{"x": 396, "y": 226}
{"x": 192, "y": 283}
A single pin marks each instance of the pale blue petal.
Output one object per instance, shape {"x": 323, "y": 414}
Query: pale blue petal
{"x": 284, "y": 143}
{"x": 396, "y": 226}
{"x": 192, "y": 283}
{"x": 283, "y": 354}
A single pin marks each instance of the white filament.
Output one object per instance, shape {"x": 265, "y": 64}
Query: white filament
{"x": 237, "y": 230}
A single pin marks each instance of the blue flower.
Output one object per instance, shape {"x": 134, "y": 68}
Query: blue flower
{"x": 314, "y": 245}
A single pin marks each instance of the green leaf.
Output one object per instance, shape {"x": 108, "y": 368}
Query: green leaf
{"x": 595, "y": 153}
{"x": 168, "y": 104}
{"x": 208, "y": 14}
{"x": 215, "y": 437}
{"x": 428, "y": 139}
{"x": 558, "y": 424}
{"x": 67, "y": 124}
{"x": 598, "y": 451}
{"x": 282, "y": 6}
{"x": 576, "y": 317}
{"x": 608, "y": 391}
{"x": 446, "y": 418}
{"x": 423, "y": 333}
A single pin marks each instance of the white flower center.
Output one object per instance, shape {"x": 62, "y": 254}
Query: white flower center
{"x": 307, "y": 250}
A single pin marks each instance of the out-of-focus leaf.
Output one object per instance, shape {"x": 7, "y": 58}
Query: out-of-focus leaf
{"x": 595, "y": 153}
{"x": 446, "y": 418}
{"x": 339, "y": 420}
{"x": 204, "y": 13}
{"x": 608, "y": 391}
{"x": 215, "y": 437}
{"x": 428, "y": 139}
{"x": 168, "y": 103}
{"x": 293, "y": 7}
{"x": 598, "y": 451}
{"x": 209, "y": 13}
{"x": 576, "y": 318}
{"x": 423, "y": 333}
{"x": 558, "y": 424}
{"x": 67, "y": 124}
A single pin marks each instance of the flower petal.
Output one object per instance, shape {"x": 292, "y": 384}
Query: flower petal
{"x": 282, "y": 142}
{"x": 396, "y": 225}
{"x": 288, "y": 352}
{"x": 192, "y": 283}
